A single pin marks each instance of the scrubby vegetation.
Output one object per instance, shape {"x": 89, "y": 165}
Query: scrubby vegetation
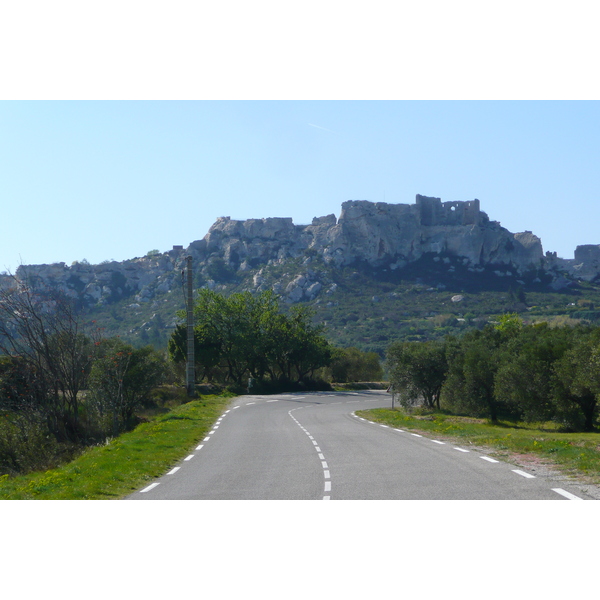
{"x": 507, "y": 370}
{"x": 63, "y": 386}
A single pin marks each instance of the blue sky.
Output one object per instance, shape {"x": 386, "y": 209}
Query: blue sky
{"x": 107, "y": 180}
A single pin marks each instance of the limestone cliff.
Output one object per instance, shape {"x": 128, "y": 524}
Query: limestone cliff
{"x": 375, "y": 235}
{"x": 378, "y": 234}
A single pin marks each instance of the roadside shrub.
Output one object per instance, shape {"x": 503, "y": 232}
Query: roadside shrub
{"x": 121, "y": 380}
{"x": 26, "y": 444}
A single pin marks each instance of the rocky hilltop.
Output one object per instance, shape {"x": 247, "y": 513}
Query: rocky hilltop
{"x": 378, "y": 236}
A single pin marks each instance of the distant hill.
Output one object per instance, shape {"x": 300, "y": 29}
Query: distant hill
{"x": 378, "y": 273}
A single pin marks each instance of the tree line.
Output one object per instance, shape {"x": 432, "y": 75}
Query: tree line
{"x": 507, "y": 370}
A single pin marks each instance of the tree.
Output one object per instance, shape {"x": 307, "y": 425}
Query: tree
{"x": 248, "y": 336}
{"x": 526, "y": 370}
{"x": 207, "y": 353}
{"x": 45, "y": 333}
{"x": 120, "y": 380}
{"x": 473, "y": 361}
{"x": 418, "y": 370}
{"x": 576, "y": 383}
{"x": 352, "y": 364}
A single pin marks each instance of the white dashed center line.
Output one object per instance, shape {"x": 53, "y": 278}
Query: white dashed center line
{"x": 324, "y": 465}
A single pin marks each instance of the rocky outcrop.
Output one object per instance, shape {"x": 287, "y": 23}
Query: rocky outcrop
{"x": 586, "y": 264}
{"x": 378, "y": 234}
{"x": 140, "y": 278}
{"x": 375, "y": 234}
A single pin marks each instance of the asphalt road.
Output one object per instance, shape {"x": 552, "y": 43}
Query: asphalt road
{"x": 313, "y": 447}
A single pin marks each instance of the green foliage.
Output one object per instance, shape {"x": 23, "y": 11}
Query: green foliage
{"x": 507, "y": 370}
{"x": 246, "y": 336}
{"x": 509, "y": 325}
{"x": 525, "y": 375}
{"x": 577, "y": 383}
{"x": 417, "y": 370}
{"x": 26, "y": 443}
{"x": 351, "y": 365}
{"x": 121, "y": 379}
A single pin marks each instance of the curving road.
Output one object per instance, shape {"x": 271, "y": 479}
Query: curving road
{"x": 313, "y": 447}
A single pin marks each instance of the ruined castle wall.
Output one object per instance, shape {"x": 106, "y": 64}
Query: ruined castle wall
{"x": 433, "y": 212}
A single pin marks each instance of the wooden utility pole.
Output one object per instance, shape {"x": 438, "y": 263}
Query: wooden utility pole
{"x": 190, "y": 378}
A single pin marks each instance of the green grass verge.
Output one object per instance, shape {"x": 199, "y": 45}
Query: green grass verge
{"x": 575, "y": 454}
{"x": 126, "y": 463}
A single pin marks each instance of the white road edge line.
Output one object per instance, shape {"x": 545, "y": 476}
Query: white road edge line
{"x": 462, "y": 450}
{"x": 492, "y": 460}
{"x": 199, "y": 447}
{"x": 523, "y": 474}
{"x": 189, "y": 457}
{"x": 566, "y": 494}
{"x": 438, "y": 442}
{"x": 174, "y": 470}
{"x": 150, "y": 487}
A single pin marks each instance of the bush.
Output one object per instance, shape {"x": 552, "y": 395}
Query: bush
{"x": 121, "y": 381}
{"x": 26, "y": 444}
